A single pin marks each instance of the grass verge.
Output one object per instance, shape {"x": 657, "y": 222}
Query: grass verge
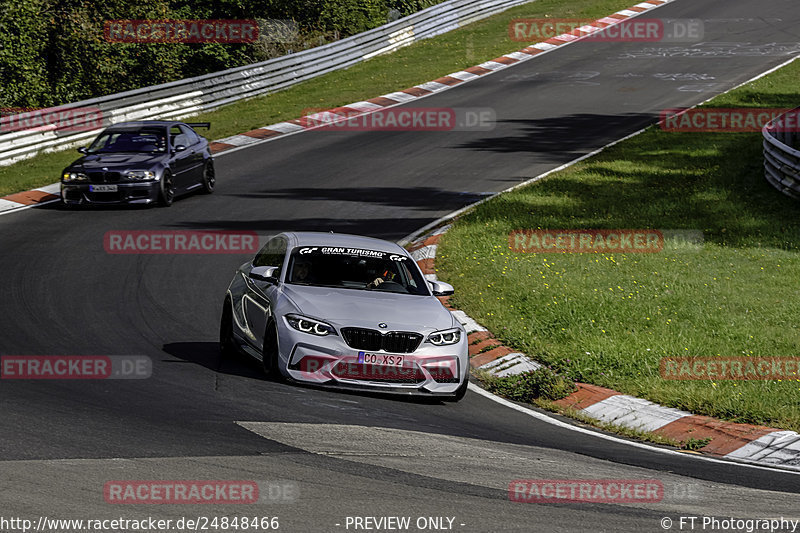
{"x": 418, "y": 63}
{"x": 608, "y": 319}
{"x": 535, "y": 384}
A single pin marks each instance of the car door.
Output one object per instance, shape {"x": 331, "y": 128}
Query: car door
{"x": 259, "y": 298}
{"x": 181, "y": 161}
{"x": 195, "y": 148}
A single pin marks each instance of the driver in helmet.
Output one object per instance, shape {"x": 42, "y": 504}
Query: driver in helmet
{"x": 302, "y": 271}
{"x": 387, "y": 275}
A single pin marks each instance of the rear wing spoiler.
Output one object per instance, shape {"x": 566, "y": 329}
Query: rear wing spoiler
{"x": 206, "y": 125}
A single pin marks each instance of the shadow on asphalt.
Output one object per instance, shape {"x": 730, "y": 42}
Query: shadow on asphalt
{"x": 382, "y": 228}
{"x": 414, "y": 197}
{"x": 565, "y": 137}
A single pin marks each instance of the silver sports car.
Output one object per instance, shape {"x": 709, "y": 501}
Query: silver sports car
{"x": 346, "y": 311}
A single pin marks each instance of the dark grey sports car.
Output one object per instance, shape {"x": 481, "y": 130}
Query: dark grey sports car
{"x": 140, "y": 163}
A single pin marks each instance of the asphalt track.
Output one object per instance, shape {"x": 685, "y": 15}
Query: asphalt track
{"x": 202, "y": 418}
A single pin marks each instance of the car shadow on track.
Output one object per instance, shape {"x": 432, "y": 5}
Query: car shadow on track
{"x": 207, "y": 354}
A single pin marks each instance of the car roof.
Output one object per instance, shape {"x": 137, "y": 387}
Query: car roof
{"x": 318, "y": 238}
{"x": 143, "y": 124}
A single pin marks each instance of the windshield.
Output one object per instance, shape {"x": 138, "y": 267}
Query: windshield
{"x": 355, "y": 268}
{"x": 146, "y": 140}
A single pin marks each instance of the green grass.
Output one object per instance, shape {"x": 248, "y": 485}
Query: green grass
{"x": 609, "y": 319}
{"x": 418, "y": 63}
{"x": 534, "y": 384}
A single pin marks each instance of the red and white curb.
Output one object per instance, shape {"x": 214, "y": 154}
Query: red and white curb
{"x": 741, "y": 442}
{"x": 42, "y": 195}
{"x": 50, "y": 193}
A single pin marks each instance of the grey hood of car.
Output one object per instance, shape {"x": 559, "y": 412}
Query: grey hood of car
{"x": 361, "y": 308}
{"x": 114, "y": 161}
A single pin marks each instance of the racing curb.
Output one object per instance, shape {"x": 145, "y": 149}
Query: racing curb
{"x": 50, "y": 193}
{"x": 741, "y": 442}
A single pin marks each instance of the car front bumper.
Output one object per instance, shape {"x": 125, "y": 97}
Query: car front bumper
{"x": 126, "y": 193}
{"x": 329, "y": 361}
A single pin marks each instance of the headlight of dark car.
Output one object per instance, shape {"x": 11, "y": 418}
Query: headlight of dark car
{"x": 141, "y": 175}
{"x": 309, "y": 325}
{"x": 74, "y": 176}
{"x": 445, "y": 337}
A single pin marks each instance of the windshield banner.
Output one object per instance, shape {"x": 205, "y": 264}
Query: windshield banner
{"x": 358, "y": 252}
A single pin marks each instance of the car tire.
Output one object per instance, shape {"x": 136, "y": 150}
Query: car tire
{"x": 461, "y": 391}
{"x": 209, "y": 177}
{"x": 167, "y": 193}
{"x": 269, "y": 355}
{"x": 227, "y": 344}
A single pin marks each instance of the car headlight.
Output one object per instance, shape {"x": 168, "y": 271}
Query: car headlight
{"x": 445, "y": 337}
{"x": 74, "y": 176}
{"x": 309, "y": 325}
{"x": 143, "y": 175}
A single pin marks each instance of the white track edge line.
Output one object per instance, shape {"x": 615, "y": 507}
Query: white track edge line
{"x": 558, "y": 423}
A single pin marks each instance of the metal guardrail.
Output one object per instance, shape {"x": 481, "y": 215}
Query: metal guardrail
{"x": 781, "y": 158}
{"x": 191, "y": 96}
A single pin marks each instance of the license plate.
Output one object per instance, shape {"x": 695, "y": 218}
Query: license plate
{"x": 103, "y": 188}
{"x": 380, "y": 359}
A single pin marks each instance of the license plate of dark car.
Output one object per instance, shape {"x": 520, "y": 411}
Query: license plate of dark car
{"x": 380, "y": 359}
{"x": 103, "y": 188}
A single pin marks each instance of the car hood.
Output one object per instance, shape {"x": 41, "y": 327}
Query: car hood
{"x": 349, "y": 307}
{"x": 117, "y": 161}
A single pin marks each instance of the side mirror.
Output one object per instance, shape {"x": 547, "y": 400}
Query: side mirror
{"x": 440, "y": 288}
{"x": 267, "y": 273}
{"x": 83, "y": 150}
{"x": 179, "y": 148}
